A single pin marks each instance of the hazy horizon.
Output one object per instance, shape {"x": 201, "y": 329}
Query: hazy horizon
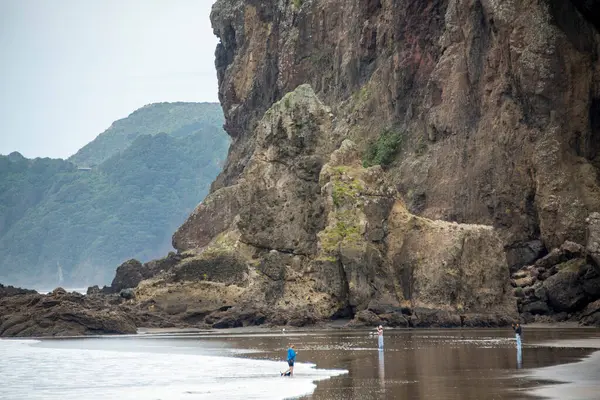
{"x": 72, "y": 67}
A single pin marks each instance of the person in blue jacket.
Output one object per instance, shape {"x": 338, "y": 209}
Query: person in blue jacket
{"x": 518, "y": 332}
{"x": 291, "y": 358}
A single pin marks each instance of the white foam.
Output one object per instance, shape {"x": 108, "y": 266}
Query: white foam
{"x": 36, "y": 372}
{"x": 21, "y": 341}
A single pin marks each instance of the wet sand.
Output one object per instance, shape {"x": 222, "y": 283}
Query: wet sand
{"x": 577, "y": 381}
{"x": 556, "y": 362}
{"x": 430, "y": 363}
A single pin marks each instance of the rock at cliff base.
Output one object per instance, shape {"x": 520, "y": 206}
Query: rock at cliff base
{"x": 128, "y": 275}
{"x": 60, "y": 314}
{"x": 565, "y": 292}
{"x": 536, "y": 307}
{"x": 593, "y": 241}
{"x": 6, "y": 291}
{"x": 591, "y": 314}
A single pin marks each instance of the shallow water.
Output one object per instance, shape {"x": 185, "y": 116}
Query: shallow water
{"x": 415, "y": 364}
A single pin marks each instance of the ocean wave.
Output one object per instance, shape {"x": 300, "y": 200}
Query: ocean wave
{"x": 37, "y": 372}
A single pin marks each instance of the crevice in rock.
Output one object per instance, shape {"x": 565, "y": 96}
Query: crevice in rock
{"x": 292, "y": 169}
{"x": 590, "y": 9}
{"x": 593, "y": 150}
{"x": 350, "y": 311}
{"x": 569, "y": 16}
{"x": 286, "y": 251}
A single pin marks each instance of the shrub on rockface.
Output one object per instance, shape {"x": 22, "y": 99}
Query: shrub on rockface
{"x": 383, "y": 150}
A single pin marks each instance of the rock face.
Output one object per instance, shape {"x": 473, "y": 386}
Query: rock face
{"x": 59, "y": 313}
{"x": 486, "y": 118}
{"x": 498, "y": 102}
{"x": 308, "y": 234}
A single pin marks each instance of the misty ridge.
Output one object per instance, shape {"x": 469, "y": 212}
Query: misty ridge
{"x": 72, "y": 222}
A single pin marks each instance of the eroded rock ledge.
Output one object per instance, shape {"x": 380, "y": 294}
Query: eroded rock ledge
{"x": 27, "y": 313}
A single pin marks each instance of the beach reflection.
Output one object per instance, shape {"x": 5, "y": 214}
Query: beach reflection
{"x": 382, "y": 372}
{"x": 428, "y": 364}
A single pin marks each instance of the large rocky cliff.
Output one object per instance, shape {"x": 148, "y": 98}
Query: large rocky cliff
{"x": 498, "y": 102}
{"x": 485, "y": 116}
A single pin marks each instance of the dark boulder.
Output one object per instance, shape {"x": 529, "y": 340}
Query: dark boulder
{"x": 302, "y": 318}
{"x": 565, "y": 292}
{"x": 366, "y": 318}
{"x": 526, "y": 318}
{"x": 127, "y": 294}
{"x": 536, "y": 307}
{"x": 560, "y": 317}
{"x": 591, "y": 314}
{"x": 58, "y": 292}
{"x": 521, "y": 254}
{"x": 556, "y": 256}
{"x": 591, "y": 282}
{"x": 541, "y": 293}
{"x": 593, "y": 237}
{"x": 395, "y": 320}
{"x": 93, "y": 290}
{"x": 128, "y": 275}
{"x": 106, "y": 290}
{"x": 572, "y": 249}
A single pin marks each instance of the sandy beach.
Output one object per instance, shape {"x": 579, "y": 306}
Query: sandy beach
{"x": 447, "y": 364}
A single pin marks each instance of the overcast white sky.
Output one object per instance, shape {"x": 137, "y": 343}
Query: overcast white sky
{"x": 69, "y": 68}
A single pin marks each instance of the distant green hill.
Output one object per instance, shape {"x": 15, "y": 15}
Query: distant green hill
{"x": 176, "y": 119}
{"x": 84, "y": 222}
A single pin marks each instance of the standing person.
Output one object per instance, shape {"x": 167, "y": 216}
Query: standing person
{"x": 518, "y": 331}
{"x": 291, "y": 358}
{"x": 380, "y": 337}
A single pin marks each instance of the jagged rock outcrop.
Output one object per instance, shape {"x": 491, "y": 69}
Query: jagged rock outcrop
{"x": 565, "y": 284}
{"x": 308, "y": 234}
{"x": 6, "y": 291}
{"x": 59, "y": 313}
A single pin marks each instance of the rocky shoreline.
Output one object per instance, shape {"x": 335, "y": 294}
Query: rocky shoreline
{"x": 25, "y": 313}
{"x": 560, "y": 287}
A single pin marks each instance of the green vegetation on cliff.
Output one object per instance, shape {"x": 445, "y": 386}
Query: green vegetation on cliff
{"x": 383, "y": 150}
{"x": 88, "y": 221}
